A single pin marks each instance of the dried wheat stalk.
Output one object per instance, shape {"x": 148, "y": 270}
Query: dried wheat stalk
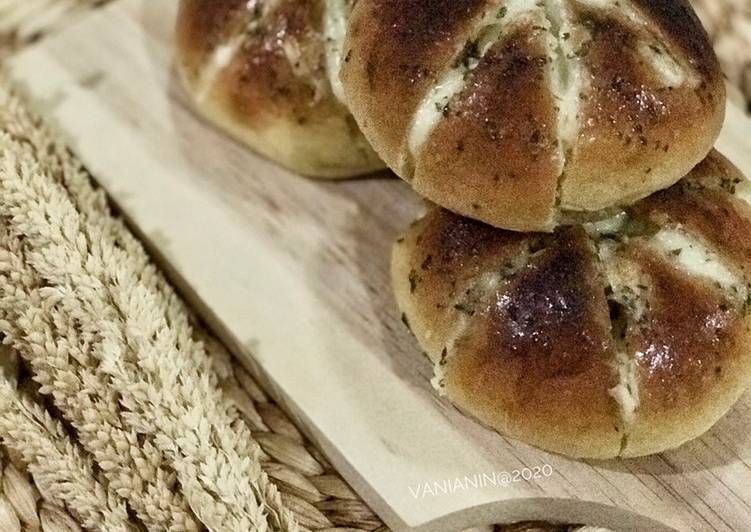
{"x": 60, "y": 469}
{"x": 61, "y": 300}
{"x": 21, "y": 507}
{"x": 59, "y": 356}
{"x": 331, "y": 504}
{"x": 60, "y": 353}
{"x": 146, "y": 344}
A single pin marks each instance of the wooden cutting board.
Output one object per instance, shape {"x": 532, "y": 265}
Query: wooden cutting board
{"x": 293, "y": 274}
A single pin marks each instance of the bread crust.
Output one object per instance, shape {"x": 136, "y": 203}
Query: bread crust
{"x": 691, "y": 358}
{"x": 602, "y": 340}
{"x": 538, "y": 369}
{"x": 258, "y": 71}
{"x": 500, "y": 137}
{"x": 626, "y": 99}
{"x": 639, "y": 134}
{"x": 395, "y": 51}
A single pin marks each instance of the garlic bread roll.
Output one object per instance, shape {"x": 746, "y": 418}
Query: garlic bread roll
{"x": 516, "y": 112}
{"x": 618, "y": 338}
{"x": 262, "y": 70}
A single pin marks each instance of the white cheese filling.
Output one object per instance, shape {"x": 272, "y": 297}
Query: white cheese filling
{"x": 694, "y": 257}
{"x": 567, "y": 78}
{"x": 608, "y": 226}
{"x": 334, "y": 33}
{"x": 626, "y": 392}
{"x": 670, "y": 72}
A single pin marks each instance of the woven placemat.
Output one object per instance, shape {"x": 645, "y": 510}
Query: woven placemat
{"x": 97, "y": 434}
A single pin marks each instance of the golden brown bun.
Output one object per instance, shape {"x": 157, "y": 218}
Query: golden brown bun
{"x": 622, "y": 337}
{"x": 514, "y": 112}
{"x": 260, "y": 70}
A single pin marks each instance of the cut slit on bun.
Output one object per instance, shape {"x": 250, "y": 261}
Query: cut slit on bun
{"x": 618, "y": 338}
{"x": 513, "y": 112}
{"x": 262, "y": 72}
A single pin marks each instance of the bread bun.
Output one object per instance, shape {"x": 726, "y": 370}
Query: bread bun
{"x": 623, "y": 337}
{"x": 515, "y": 112}
{"x": 260, "y": 70}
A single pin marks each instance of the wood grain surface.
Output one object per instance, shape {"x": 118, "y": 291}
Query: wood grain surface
{"x": 293, "y": 274}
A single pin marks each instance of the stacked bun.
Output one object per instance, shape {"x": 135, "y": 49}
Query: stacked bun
{"x": 581, "y": 279}
{"x": 517, "y": 112}
{"x": 622, "y": 337}
{"x": 622, "y": 327}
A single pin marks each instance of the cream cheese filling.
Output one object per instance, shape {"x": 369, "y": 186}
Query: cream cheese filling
{"x": 693, "y": 257}
{"x": 334, "y": 34}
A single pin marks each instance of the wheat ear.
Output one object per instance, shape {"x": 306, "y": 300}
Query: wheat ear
{"x": 60, "y": 359}
{"x": 61, "y": 471}
{"x": 138, "y": 347}
{"x": 91, "y": 203}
